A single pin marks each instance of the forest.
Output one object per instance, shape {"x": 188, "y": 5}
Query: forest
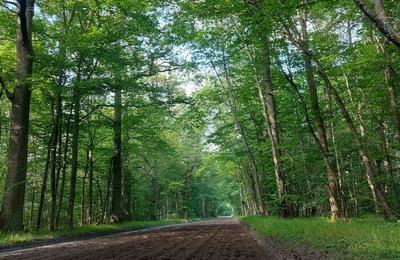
{"x": 119, "y": 110}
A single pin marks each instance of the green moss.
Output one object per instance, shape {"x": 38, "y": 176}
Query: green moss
{"x": 17, "y": 238}
{"x": 366, "y": 238}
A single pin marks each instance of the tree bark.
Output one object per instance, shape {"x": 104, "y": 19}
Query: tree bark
{"x": 116, "y": 203}
{"x": 75, "y": 146}
{"x": 261, "y": 207}
{"x": 333, "y": 185}
{"x": 362, "y": 148}
{"x": 380, "y": 19}
{"x": 391, "y": 75}
{"x": 63, "y": 170}
{"x": 90, "y": 184}
{"x": 272, "y": 128}
{"x": 44, "y": 184}
{"x": 267, "y": 99}
{"x": 53, "y": 160}
{"x": 154, "y": 195}
{"x": 83, "y": 193}
{"x": 388, "y": 164}
{"x": 12, "y": 209}
{"x": 186, "y": 196}
{"x": 127, "y": 190}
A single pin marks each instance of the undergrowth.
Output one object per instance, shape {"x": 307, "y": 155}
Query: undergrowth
{"x": 24, "y": 237}
{"x": 359, "y": 238}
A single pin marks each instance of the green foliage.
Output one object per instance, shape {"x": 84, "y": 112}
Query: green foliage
{"x": 366, "y": 238}
{"x": 90, "y": 230}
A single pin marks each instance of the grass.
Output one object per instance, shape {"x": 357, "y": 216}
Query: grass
{"x": 366, "y": 238}
{"x": 26, "y": 237}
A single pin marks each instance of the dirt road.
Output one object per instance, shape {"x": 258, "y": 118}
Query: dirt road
{"x": 214, "y": 239}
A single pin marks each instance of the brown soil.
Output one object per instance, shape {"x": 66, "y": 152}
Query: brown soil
{"x": 215, "y": 239}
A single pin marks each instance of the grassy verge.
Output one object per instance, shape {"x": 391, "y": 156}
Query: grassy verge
{"x": 20, "y": 238}
{"x": 360, "y": 238}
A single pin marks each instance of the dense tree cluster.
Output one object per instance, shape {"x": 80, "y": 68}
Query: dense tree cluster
{"x": 309, "y": 91}
{"x": 97, "y": 118}
{"x": 296, "y": 115}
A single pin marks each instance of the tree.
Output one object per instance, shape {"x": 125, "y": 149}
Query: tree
{"x": 380, "y": 19}
{"x": 14, "y": 196}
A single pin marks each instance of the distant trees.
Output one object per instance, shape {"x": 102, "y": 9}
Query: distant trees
{"x": 297, "y": 114}
{"x": 326, "y": 105}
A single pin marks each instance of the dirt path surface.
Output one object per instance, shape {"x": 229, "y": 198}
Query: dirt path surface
{"x": 214, "y": 239}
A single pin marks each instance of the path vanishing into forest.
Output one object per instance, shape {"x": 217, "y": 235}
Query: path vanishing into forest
{"x": 223, "y": 238}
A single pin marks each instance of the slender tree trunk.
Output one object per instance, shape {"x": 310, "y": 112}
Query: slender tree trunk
{"x": 116, "y": 203}
{"x": 362, "y": 148}
{"x": 252, "y": 190}
{"x": 391, "y": 75}
{"x": 63, "y": 170}
{"x": 90, "y": 184}
{"x": 34, "y": 183}
{"x": 59, "y": 151}
{"x": 203, "y": 206}
{"x": 261, "y": 207}
{"x": 127, "y": 190}
{"x": 44, "y": 184}
{"x": 105, "y": 211}
{"x": 333, "y": 185}
{"x": 186, "y": 196}
{"x": 75, "y": 146}
{"x": 267, "y": 99}
{"x": 83, "y": 198}
{"x": 388, "y": 164}
{"x": 53, "y": 160}
{"x": 12, "y": 210}
{"x": 154, "y": 196}
{"x": 273, "y": 132}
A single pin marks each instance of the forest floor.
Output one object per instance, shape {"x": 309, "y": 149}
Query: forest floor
{"x": 366, "y": 237}
{"x": 223, "y": 238}
{"x": 14, "y": 241}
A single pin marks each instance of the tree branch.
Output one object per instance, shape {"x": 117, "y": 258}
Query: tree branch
{"x": 380, "y": 20}
{"x": 16, "y": 4}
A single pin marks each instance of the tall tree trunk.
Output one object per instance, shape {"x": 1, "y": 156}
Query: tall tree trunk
{"x": 154, "y": 195}
{"x": 251, "y": 190}
{"x": 90, "y": 184}
{"x": 75, "y": 146}
{"x": 83, "y": 193}
{"x": 34, "y": 183}
{"x": 186, "y": 196}
{"x": 12, "y": 210}
{"x": 106, "y": 202}
{"x": 267, "y": 99}
{"x": 127, "y": 190}
{"x": 360, "y": 143}
{"x": 53, "y": 160}
{"x": 333, "y": 184}
{"x": 273, "y": 132}
{"x": 362, "y": 148}
{"x": 116, "y": 203}
{"x": 63, "y": 170}
{"x": 391, "y": 75}
{"x": 261, "y": 207}
{"x": 388, "y": 164}
{"x": 44, "y": 184}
